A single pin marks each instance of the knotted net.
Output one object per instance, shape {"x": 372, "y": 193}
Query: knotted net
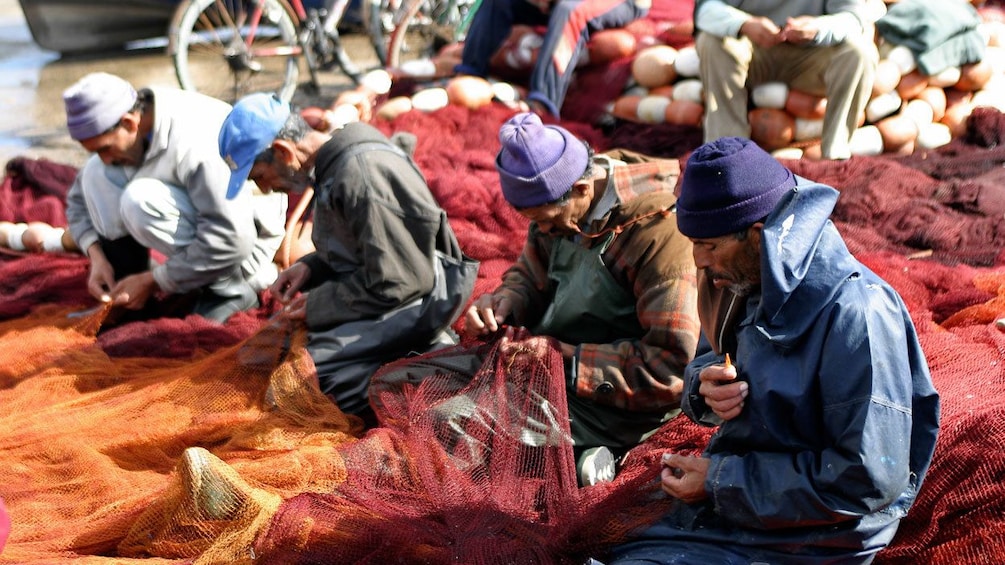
{"x": 183, "y": 441}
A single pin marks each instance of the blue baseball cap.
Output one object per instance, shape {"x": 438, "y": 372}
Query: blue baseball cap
{"x": 249, "y": 129}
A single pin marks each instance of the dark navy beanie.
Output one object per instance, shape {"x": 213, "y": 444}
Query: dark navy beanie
{"x": 728, "y": 184}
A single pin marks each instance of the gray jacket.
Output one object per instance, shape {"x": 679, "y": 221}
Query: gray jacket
{"x": 838, "y": 19}
{"x": 183, "y": 152}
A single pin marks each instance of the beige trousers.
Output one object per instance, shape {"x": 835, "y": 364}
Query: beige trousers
{"x": 843, "y": 73}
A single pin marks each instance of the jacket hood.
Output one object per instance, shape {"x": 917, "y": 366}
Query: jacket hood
{"x": 359, "y": 132}
{"x": 804, "y": 261}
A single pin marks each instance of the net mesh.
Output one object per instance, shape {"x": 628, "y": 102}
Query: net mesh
{"x": 183, "y": 441}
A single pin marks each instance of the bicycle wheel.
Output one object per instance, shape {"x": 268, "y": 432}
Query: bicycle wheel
{"x": 425, "y": 27}
{"x": 219, "y": 50}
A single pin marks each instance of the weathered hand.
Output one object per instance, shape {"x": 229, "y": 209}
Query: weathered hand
{"x": 723, "y": 394}
{"x": 762, "y": 31}
{"x": 800, "y": 30}
{"x": 486, "y": 314}
{"x": 683, "y": 477}
{"x": 290, "y": 281}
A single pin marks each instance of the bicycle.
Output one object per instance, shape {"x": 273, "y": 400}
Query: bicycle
{"x": 421, "y": 28}
{"x": 229, "y": 48}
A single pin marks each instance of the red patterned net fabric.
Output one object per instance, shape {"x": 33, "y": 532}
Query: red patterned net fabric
{"x": 181, "y": 441}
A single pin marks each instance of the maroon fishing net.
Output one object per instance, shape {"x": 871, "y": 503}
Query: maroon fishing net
{"x": 183, "y": 441}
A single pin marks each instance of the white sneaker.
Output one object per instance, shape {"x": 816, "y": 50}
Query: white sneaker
{"x": 596, "y": 465}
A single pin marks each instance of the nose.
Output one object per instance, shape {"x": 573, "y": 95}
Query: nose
{"x": 701, "y": 258}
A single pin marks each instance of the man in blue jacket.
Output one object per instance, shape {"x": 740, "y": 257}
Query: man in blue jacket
{"x": 826, "y": 410}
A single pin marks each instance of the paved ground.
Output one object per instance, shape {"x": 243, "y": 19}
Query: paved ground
{"x": 32, "y": 119}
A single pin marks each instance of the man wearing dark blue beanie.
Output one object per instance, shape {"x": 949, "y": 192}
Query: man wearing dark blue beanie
{"x": 811, "y": 369}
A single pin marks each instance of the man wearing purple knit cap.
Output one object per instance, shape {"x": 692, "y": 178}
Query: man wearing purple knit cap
{"x": 811, "y": 369}
{"x": 606, "y": 273}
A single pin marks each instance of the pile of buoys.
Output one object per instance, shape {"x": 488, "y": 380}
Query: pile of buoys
{"x": 907, "y": 109}
{"x": 36, "y": 237}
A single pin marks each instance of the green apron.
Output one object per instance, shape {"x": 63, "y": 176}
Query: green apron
{"x": 589, "y": 306}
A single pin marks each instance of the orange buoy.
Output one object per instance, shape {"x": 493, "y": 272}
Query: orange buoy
{"x": 911, "y": 85}
{"x": 685, "y": 113}
{"x": 469, "y": 91}
{"x": 887, "y": 77}
{"x": 771, "y": 128}
{"x": 610, "y": 45}
{"x": 898, "y": 131}
{"x": 627, "y": 107}
{"x": 654, "y": 66}
{"x": 974, "y": 76}
{"x": 936, "y": 98}
{"x": 804, "y": 105}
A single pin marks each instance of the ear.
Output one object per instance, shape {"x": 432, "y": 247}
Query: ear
{"x": 130, "y": 121}
{"x": 755, "y": 232}
{"x": 284, "y": 150}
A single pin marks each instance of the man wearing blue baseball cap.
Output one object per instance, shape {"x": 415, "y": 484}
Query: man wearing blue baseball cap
{"x": 156, "y": 182}
{"x": 387, "y": 277}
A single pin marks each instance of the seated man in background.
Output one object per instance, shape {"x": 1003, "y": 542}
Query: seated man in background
{"x": 387, "y": 277}
{"x": 606, "y": 273}
{"x": 156, "y": 182}
{"x": 820, "y": 47}
{"x": 570, "y": 23}
{"x": 828, "y": 418}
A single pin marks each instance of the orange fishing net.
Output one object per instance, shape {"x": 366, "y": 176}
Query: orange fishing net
{"x": 182, "y": 441}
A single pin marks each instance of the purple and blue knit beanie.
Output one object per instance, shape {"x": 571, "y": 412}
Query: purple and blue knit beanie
{"x": 728, "y": 184}
{"x": 538, "y": 164}
{"x": 95, "y": 103}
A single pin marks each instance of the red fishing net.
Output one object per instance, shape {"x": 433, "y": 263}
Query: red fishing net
{"x": 183, "y": 441}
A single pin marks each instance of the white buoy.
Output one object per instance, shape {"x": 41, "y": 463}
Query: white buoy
{"x": 866, "y": 141}
{"x": 686, "y": 63}
{"x": 934, "y": 135}
{"x": 430, "y": 99}
{"x": 770, "y": 95}
{"x": 808, "y": 129}
{"x": 882, "y": 106}
{"x": 689, "y": 89}
{"x": 652, "y": 109}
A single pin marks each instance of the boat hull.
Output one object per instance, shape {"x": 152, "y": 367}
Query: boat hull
{"x": 80, "y": 26}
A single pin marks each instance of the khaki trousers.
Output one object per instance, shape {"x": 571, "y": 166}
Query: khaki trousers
{"x": 842, "y": 73}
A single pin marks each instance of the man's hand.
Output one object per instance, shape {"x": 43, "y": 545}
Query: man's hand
{"x": 486, "y": 314}
{"x": 290, "y": 281}
{"x": 762, "y": 31}
{"x": 683, "y": 477}
{"x": 133, "y": 291}
{"x": 102, "y": 275}
{"x": 296, "y": 309}
{"x": 722, "y": 392}
{"x": 800, "y": 30}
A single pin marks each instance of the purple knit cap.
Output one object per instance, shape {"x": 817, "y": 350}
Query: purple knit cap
{"x": 95, "y": 103}
{"x": 729, "y": 184}
{"x": 538, "y": 164}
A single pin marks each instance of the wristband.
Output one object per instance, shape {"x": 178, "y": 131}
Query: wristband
{"x": 53, "y": 241}
{"x": 14, "y": 236}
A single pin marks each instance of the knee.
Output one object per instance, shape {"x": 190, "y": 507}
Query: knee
{"x": 860, "y": 54}
{"x": 708, "y": 45}
{"x": 138, "y": 195}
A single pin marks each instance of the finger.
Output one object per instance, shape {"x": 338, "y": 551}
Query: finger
{"x": 488, "y": 320}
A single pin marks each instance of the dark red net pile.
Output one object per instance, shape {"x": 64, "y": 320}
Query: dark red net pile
{"x": 473, "y": 466}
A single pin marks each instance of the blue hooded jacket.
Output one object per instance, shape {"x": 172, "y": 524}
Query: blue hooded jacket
{"x": 840, "y": 422}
